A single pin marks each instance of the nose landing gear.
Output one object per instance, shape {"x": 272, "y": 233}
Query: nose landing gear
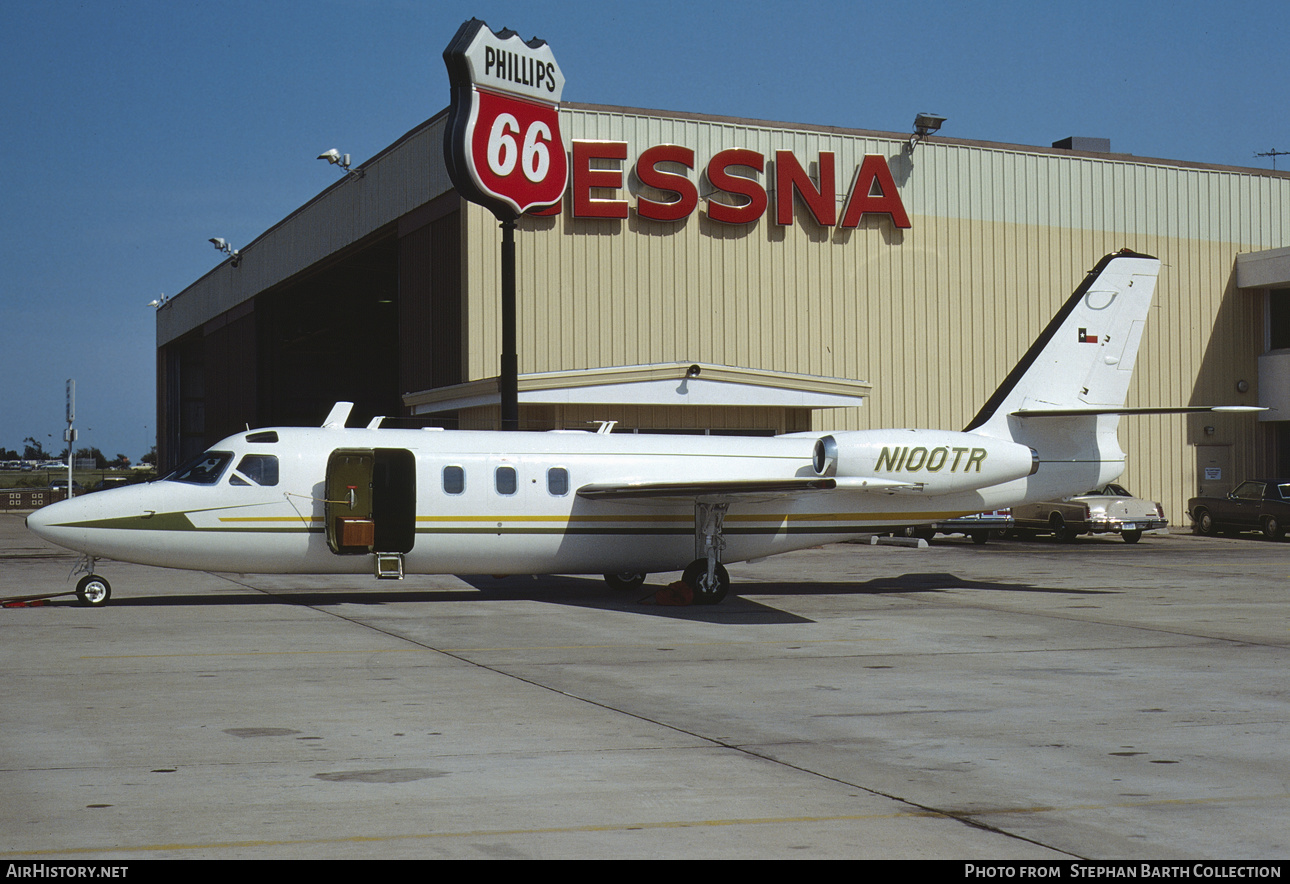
{"x": 93, "y": 591}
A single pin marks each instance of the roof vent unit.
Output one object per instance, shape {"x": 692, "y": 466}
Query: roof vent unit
{"x": 1092, "y": 145}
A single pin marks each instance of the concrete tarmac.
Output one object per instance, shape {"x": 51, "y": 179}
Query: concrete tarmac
{"x": 1017, "y": 700}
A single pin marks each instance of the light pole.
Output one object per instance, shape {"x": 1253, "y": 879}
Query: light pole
{"x": 69, "y": 435}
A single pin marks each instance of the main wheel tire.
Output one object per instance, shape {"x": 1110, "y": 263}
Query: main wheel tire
{"x": 980, "y": 537}
{"x": 1205, "y": 523}
{"x": 93, "y": 591}
{"x": 1132, "y": 536}
{"x": 696, "y": 577}
{"x": 626, "y": 580}
{"x": 1272, "y": 528}
{"x": 1062, "y": 532}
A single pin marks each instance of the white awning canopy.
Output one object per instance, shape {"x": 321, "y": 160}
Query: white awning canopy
{"x": 671, "y": 383}
{"x": 1269, "y": 269}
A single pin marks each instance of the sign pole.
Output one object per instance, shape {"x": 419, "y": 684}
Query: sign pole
{"x": 509, "y": 381}
{"x": 503, "y": 150}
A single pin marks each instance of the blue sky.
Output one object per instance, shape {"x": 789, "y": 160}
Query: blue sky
{"x": 137, "y": 131}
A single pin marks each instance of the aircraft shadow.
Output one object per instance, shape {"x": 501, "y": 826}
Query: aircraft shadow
{"x": 589, "y": 593}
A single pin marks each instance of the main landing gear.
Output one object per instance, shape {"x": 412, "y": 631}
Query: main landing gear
{"x": 705, "y": 575}
{"x": 706, "y": 578}
{"x": 626, "y": 580}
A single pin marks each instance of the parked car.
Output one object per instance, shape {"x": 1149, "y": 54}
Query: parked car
{"x": 59, "y": 486}
{"x": 1107, "y": 510}
{"x": 110, "y": 482}
{"x": 1255, "y": 505}
{"x": 979, "y": 526}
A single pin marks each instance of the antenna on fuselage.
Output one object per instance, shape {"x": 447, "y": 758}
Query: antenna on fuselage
{"x": 338, "y": 415}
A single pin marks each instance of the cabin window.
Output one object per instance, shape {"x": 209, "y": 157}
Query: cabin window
{"x": 454, "y": 480}
{"x": 261, "y": 469}
{"x": 557, "y": 481}
{"x": 204, "y": 469}
{"x": 506, "y": 480}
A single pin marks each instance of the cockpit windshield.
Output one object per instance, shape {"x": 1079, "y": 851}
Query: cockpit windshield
{"x": 204, "y": 469}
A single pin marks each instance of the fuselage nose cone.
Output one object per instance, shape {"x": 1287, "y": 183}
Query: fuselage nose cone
{"x": 40, "y": 522}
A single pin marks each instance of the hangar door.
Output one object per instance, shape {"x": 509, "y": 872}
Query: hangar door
{"x": 371, "y": 500}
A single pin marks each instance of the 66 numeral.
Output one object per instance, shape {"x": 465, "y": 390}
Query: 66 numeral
{"x": 534, "y": 157}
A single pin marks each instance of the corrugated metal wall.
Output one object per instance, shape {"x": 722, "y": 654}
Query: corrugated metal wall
{"x": 430, "y": 302}
{"x": 933, "y": 316}
{"x": 403, "y": 177}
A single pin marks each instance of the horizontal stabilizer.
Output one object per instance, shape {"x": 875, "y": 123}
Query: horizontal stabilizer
{"x": 1080, "y": 412}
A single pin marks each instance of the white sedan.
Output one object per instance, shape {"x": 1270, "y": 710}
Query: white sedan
{"x": 1106, "y": 510}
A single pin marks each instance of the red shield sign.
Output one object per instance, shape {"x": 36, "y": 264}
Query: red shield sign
{"x": 515, "y": 152}
{"x": 502, "y": 143}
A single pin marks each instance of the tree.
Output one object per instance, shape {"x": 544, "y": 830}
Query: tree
{"x": 34, "y": 450}
{"x": 150, "y": 458}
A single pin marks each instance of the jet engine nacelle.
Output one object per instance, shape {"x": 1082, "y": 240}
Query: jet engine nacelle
{"x": 921, "y": 461}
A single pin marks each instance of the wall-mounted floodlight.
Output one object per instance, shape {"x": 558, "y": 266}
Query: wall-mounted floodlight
{"x": 924, "y": 125}
{"x": 159, "y": 301}
{"x": 336, "y": 158}
{"x": 221, "y": 246}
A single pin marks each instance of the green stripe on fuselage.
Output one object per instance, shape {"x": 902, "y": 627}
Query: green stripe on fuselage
{"x": 175, "y": 522}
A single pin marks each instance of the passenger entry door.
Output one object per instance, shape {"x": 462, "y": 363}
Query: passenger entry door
{"x": 370, "y": 501}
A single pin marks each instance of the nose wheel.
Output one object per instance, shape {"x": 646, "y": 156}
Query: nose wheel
{"x": 93, "y": 591}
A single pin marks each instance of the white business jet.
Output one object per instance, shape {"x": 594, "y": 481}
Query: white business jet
{"x": 336, "y": 500}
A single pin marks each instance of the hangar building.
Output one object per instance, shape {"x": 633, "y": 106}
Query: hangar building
{"x": 706, "y": 274}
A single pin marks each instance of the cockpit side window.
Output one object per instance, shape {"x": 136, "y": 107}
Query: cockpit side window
{"x": 261, "y": 469}
{"x": 204, "y": 469}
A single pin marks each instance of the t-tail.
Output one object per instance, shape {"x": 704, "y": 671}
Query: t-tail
{"x": 1065, "y": 396}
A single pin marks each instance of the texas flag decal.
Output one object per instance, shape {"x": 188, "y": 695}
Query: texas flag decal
{"x": 1086, "y": 338}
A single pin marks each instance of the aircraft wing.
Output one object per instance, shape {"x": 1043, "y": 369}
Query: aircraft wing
{"x": 713, "y": 488}
{"x": 734, "y": 488}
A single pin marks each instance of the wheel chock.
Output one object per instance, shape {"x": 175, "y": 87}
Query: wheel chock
{"x": 677, "y": 594}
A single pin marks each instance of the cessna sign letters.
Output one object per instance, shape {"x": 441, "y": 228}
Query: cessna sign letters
{"x": 504, "y": 151}
{"x": 733, "y": 193}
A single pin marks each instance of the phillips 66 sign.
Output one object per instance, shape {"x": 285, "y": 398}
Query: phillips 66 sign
{"x": 502, "y": 144}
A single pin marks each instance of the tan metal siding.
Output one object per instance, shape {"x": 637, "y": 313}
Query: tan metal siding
{"x": 933, "y": 316}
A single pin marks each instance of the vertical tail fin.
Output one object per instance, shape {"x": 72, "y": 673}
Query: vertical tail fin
{"x": 1084, "y": 359}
